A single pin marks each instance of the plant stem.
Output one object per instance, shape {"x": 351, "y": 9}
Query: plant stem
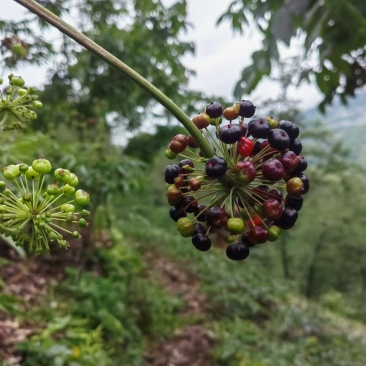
{"x": 86, "y": 42}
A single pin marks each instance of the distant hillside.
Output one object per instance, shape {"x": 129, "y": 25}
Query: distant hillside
{"x": 347, "y": 122}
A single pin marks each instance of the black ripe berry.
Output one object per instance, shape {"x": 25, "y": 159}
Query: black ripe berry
{"x": 291, "y": 129}
{"x": 176, "y": 213}
{"x": 246, "y": 108}
{"x": 214, "y": 110}
{"x": 278, "y": 139}
{"x": 237, "y": 251}
{"x": 201, "y": 242}
{"x": 230, "y": 134}
{"x": 171, "y": 172}
{"x": 259, "y": 128}
{"x": 216, "y": 167}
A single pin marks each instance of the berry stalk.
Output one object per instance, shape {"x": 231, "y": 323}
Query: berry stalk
{"x": 93, "y": 47}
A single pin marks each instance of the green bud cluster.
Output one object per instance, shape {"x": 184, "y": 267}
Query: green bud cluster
{"x": 17, "y": 104}
{"x": 38, "y": 207}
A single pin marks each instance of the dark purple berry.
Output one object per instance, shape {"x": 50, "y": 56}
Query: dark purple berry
{"x": 287, "y": 219}
{"x": 186, "y": 166}
{"x": 259, "y": 128}
{"x": 247, "y": 108}
{"x": 216, "y": 217}
{"x": 216, "y": 167}
{"x": 302, "y": 165}
{"x": 214, "y": 110}
{"x": 189, "y": 203}
{"x": 201, "y": 213}
{"x": 296, "y": 146}
{"x": 177, "y": 212}
{"x": 237, "y": 251}
{"x": 294, "y": 202}
{"x": 230, "y": 134}
{"x": 273, "y": 170}
{"x": 171, "y": 172}
{"x": 201, "y": 242}
{"x": 199, "y": 229}
{"x": 291, "y": 129}
{"x": 278, "y": 139}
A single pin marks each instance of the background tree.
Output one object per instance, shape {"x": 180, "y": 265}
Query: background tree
{"x": 331, "y": 32}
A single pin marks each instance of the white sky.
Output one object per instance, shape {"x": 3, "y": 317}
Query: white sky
{"x": 220, "y": 55}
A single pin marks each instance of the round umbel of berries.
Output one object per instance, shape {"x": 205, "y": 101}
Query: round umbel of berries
{"x": 251, "y": 190}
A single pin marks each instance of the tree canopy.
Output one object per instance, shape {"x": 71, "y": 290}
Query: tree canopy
{"x": 331, "y": 32}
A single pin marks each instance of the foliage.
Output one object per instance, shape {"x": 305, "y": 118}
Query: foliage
{"x": 101, "y": 317}
{"x": 324, "y": 30}
{"x": 83, "y": 88}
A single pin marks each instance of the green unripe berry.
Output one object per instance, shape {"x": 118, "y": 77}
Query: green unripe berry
{"x": 75, "y": 234}
{"x": 37, "y": 104}
{"x": 82, "y": 198}
{"x": 42, "y": 166}
{"x": 53, "y": 190}
{"x": 23, "y": 167}
{"x": 11, "y": 171}
{"x": 185, "y": 227}
{"x": 235, "y": 225}
{"x": 169, "y": 154}
{"x": 85, "y": 213}
{"x": 22, "y": 92}
{"x": 82, "y": 223}
{"x": 1, "y": 81}
{"x": 62, "y": 175}
{"x": 16, "y": 80}
{"x": 73, "y": 181}
{"x": 68, "y": 207}
{"x": 31, "y": 174}
{"x": 68, "y": 190}
{"x": 2, "y": 185}
{"x": 274, "y": 233}
{"x": 32, "y": 115}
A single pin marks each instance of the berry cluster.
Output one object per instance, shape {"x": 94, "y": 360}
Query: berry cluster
{"x": 252, "y": 186}
{"x": 34, "y": 212}
{"x": 17, "y": 104}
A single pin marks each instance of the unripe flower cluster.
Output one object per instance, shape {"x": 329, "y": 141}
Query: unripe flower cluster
{"x": 252, "y": 186}
{"x": 37, "y": 207}
{"x": 17, "y": 104}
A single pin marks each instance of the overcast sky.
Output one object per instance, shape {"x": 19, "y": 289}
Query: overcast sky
{"x": 220, "y": 55}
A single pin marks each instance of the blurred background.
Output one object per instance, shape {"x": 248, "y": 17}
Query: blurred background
{"x": 132, "y": 291}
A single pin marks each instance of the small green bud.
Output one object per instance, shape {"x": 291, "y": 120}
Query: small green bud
{"x": 62, "y": 175}
{"x": 67, "y": 207}
{"x": 73, "y": 181}
{"x": 32, "y": 115}
{"x": 42, "y": 166}
{"x": 68, "y": 190}
{"x": 75, "y": 234}
{"x": 16, "y": 80}
{"x": 37, "y": 104}
{"x": 23, "y": 167}
{"x": 82, "y": 198}
{"x": 82, "y": 223}
{"x": 27, "y": 196}
{"x": 22, "y": 92}
{"x": 11, "y": 171}
{"x": 31, "y": 174}
{"x": 53, "y": 190}
{"x": 85, "y": 213}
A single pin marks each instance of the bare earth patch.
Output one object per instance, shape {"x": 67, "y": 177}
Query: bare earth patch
{"x": 191, "y": 345}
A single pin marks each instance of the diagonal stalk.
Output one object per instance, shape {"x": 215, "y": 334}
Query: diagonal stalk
{"x": 86, "y": 42}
